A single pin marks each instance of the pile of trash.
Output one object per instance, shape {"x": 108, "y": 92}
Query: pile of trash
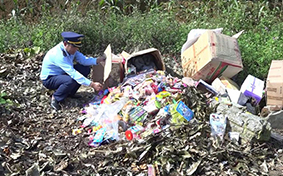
{"x": 144, "y": 104}
{"x": 150, "y": 107}
{"x": 149, "y": 103}
{"x": 147, "y": 121}
{"x": 157, "y": 124}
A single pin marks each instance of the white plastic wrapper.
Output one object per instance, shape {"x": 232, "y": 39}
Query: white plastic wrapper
{"x": 218, "y": 125}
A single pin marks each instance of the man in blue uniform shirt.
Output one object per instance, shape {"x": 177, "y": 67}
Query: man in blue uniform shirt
{"x": 59, "y": 73}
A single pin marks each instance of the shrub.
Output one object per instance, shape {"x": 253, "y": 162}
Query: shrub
{"x": 160, "y": 24}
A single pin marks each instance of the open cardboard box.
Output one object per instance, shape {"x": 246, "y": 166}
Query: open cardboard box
{"x": 113, "y": 72}
{"x": 152, "y": 51}
{"x": 212, "y": 55}
{"x": 109, "y": 73}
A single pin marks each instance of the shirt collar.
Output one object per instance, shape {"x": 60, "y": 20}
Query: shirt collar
{"x": 65, "y": 52}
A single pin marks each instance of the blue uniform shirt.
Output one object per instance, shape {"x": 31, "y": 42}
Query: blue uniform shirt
{"x": 58, "y": 61}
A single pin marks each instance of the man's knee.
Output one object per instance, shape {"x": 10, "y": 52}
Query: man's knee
{"x": 71, "y": 82}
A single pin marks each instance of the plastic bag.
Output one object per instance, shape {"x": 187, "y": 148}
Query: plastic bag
{"x": 109, "y": 119}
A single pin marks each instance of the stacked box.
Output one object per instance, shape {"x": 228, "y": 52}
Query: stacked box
{"x": 274, "y": 83}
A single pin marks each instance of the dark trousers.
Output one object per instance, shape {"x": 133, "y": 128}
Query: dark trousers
{"x": 64, "y": 84}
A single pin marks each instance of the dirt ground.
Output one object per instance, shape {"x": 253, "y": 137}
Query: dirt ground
{"x": 31, "y": 132}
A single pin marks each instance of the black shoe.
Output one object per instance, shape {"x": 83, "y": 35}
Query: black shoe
{"x": 75, "y": 96}
{"x": 54, "y": 104}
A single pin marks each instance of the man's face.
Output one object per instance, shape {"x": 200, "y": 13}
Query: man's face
{"x": 71, "y": 49}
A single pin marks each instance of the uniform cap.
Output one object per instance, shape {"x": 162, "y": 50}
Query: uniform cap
{"x": 73, "y": 38}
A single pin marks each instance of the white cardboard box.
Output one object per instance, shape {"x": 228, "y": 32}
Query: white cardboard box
{"x": 253, "y": 87}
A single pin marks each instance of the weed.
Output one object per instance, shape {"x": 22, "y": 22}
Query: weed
{"x": 134, "y": 25}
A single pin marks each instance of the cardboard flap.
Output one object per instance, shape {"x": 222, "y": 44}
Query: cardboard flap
{"x": 108, "y": 62}
{"x": 236, "y": 36}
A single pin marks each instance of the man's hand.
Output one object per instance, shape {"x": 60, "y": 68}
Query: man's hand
{"x": 100, "y": 59}
{"x": 96, "y": 86}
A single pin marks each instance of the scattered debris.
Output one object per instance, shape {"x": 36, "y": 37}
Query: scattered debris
{"x": 35, "y": 140}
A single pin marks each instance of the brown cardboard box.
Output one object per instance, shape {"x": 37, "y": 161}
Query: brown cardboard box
{"x": 154, "y": 52}
{"x": 109, "y": 73}
{"x": 118, "y": 70}
{"x": 222, "y": 83}
{"x": 212, "y": 55}
{"x": 114, "y": 78}
{"x": 274, "y": 83}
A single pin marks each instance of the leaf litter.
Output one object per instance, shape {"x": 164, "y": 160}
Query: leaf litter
{"x": 35, "y": 140}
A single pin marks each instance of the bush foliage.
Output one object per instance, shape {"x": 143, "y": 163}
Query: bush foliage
{"x": 135, "y": 25}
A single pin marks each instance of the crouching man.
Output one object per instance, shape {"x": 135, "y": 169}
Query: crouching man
{"x": 59, "y": 73}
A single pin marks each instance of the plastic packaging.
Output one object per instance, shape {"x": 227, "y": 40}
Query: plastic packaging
{"x": 137, "y": 114}
{"x": 218, "y": 125}
{"x": 97, "y": 138}
{"x": 180, "y": 113}
{"x": 185, "y": 111}
{"x": 150, "y": 170}
{"x": 150, "y": 106}
{"x": 93, "y": 115}
{"x": 96, "y": 128}
{"x": 109, "y": 119}
{"x": 234, "y": 136}
{"x": 133, "y": 132}
{"x": 76, "y": 131}
{"x": 163, "y": 98}
{"x": 128, "y": 91}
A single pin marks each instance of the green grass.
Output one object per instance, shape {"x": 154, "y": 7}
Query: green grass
{"x": 164, "y": 26}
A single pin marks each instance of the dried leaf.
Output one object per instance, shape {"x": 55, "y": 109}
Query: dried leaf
{"x": 193, "y": 168}
{"x": 62, "y": 165}
{"x": 33, "y": 170}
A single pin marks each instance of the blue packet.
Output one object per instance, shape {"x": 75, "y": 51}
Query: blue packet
{"x": 98, "y": 138}
{"x": 185, "y": 111}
